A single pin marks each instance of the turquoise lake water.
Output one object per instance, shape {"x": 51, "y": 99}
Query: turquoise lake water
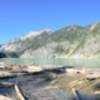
{"x": 59, "y": 61}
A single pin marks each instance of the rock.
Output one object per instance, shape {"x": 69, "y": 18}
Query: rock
{"x": 84, "y": 96}
{"x": 93, "y": 76}
{"x": 72, "y": 71}
{"x": 96, "y": 86}
{"x": 97, "y": 92}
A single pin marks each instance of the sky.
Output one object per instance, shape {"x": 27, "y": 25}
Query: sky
{"x": 18, "y": 17}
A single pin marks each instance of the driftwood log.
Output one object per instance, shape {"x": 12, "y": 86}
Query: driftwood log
{"x": 11, "y": 70}
{"x": 76, "y": 94}
{"x": 19, "y": 92}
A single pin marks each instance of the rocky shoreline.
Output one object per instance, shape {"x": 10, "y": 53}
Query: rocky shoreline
{"x": 29, "y": 82}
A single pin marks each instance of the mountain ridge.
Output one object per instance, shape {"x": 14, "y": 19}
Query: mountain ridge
{"x": 73, "y": 41}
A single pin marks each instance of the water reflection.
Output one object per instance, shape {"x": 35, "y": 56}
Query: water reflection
{"x": 58, "y": 61}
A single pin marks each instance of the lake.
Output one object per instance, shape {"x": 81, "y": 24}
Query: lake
{"x": 93, "y": 63}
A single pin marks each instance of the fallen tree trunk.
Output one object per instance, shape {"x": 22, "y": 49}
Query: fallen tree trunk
{"x": 11, "y": 70}
{"x": 19, "y": 92}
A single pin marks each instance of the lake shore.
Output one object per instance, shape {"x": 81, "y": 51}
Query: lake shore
{"x": 43, "y": 82}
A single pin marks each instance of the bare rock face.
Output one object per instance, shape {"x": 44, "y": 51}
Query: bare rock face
{"x": 72, "y": 41}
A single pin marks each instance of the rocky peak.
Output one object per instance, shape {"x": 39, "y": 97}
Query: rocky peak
{"x": 95, "y": 26}
{"x": 36, "y": 33}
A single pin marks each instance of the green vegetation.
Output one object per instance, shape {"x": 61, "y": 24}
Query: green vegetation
{"x": 70, "y": 40}
{"x": 59, "y": 49}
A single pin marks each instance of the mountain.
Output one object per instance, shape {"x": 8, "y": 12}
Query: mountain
{"x": 72, "y": 41}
